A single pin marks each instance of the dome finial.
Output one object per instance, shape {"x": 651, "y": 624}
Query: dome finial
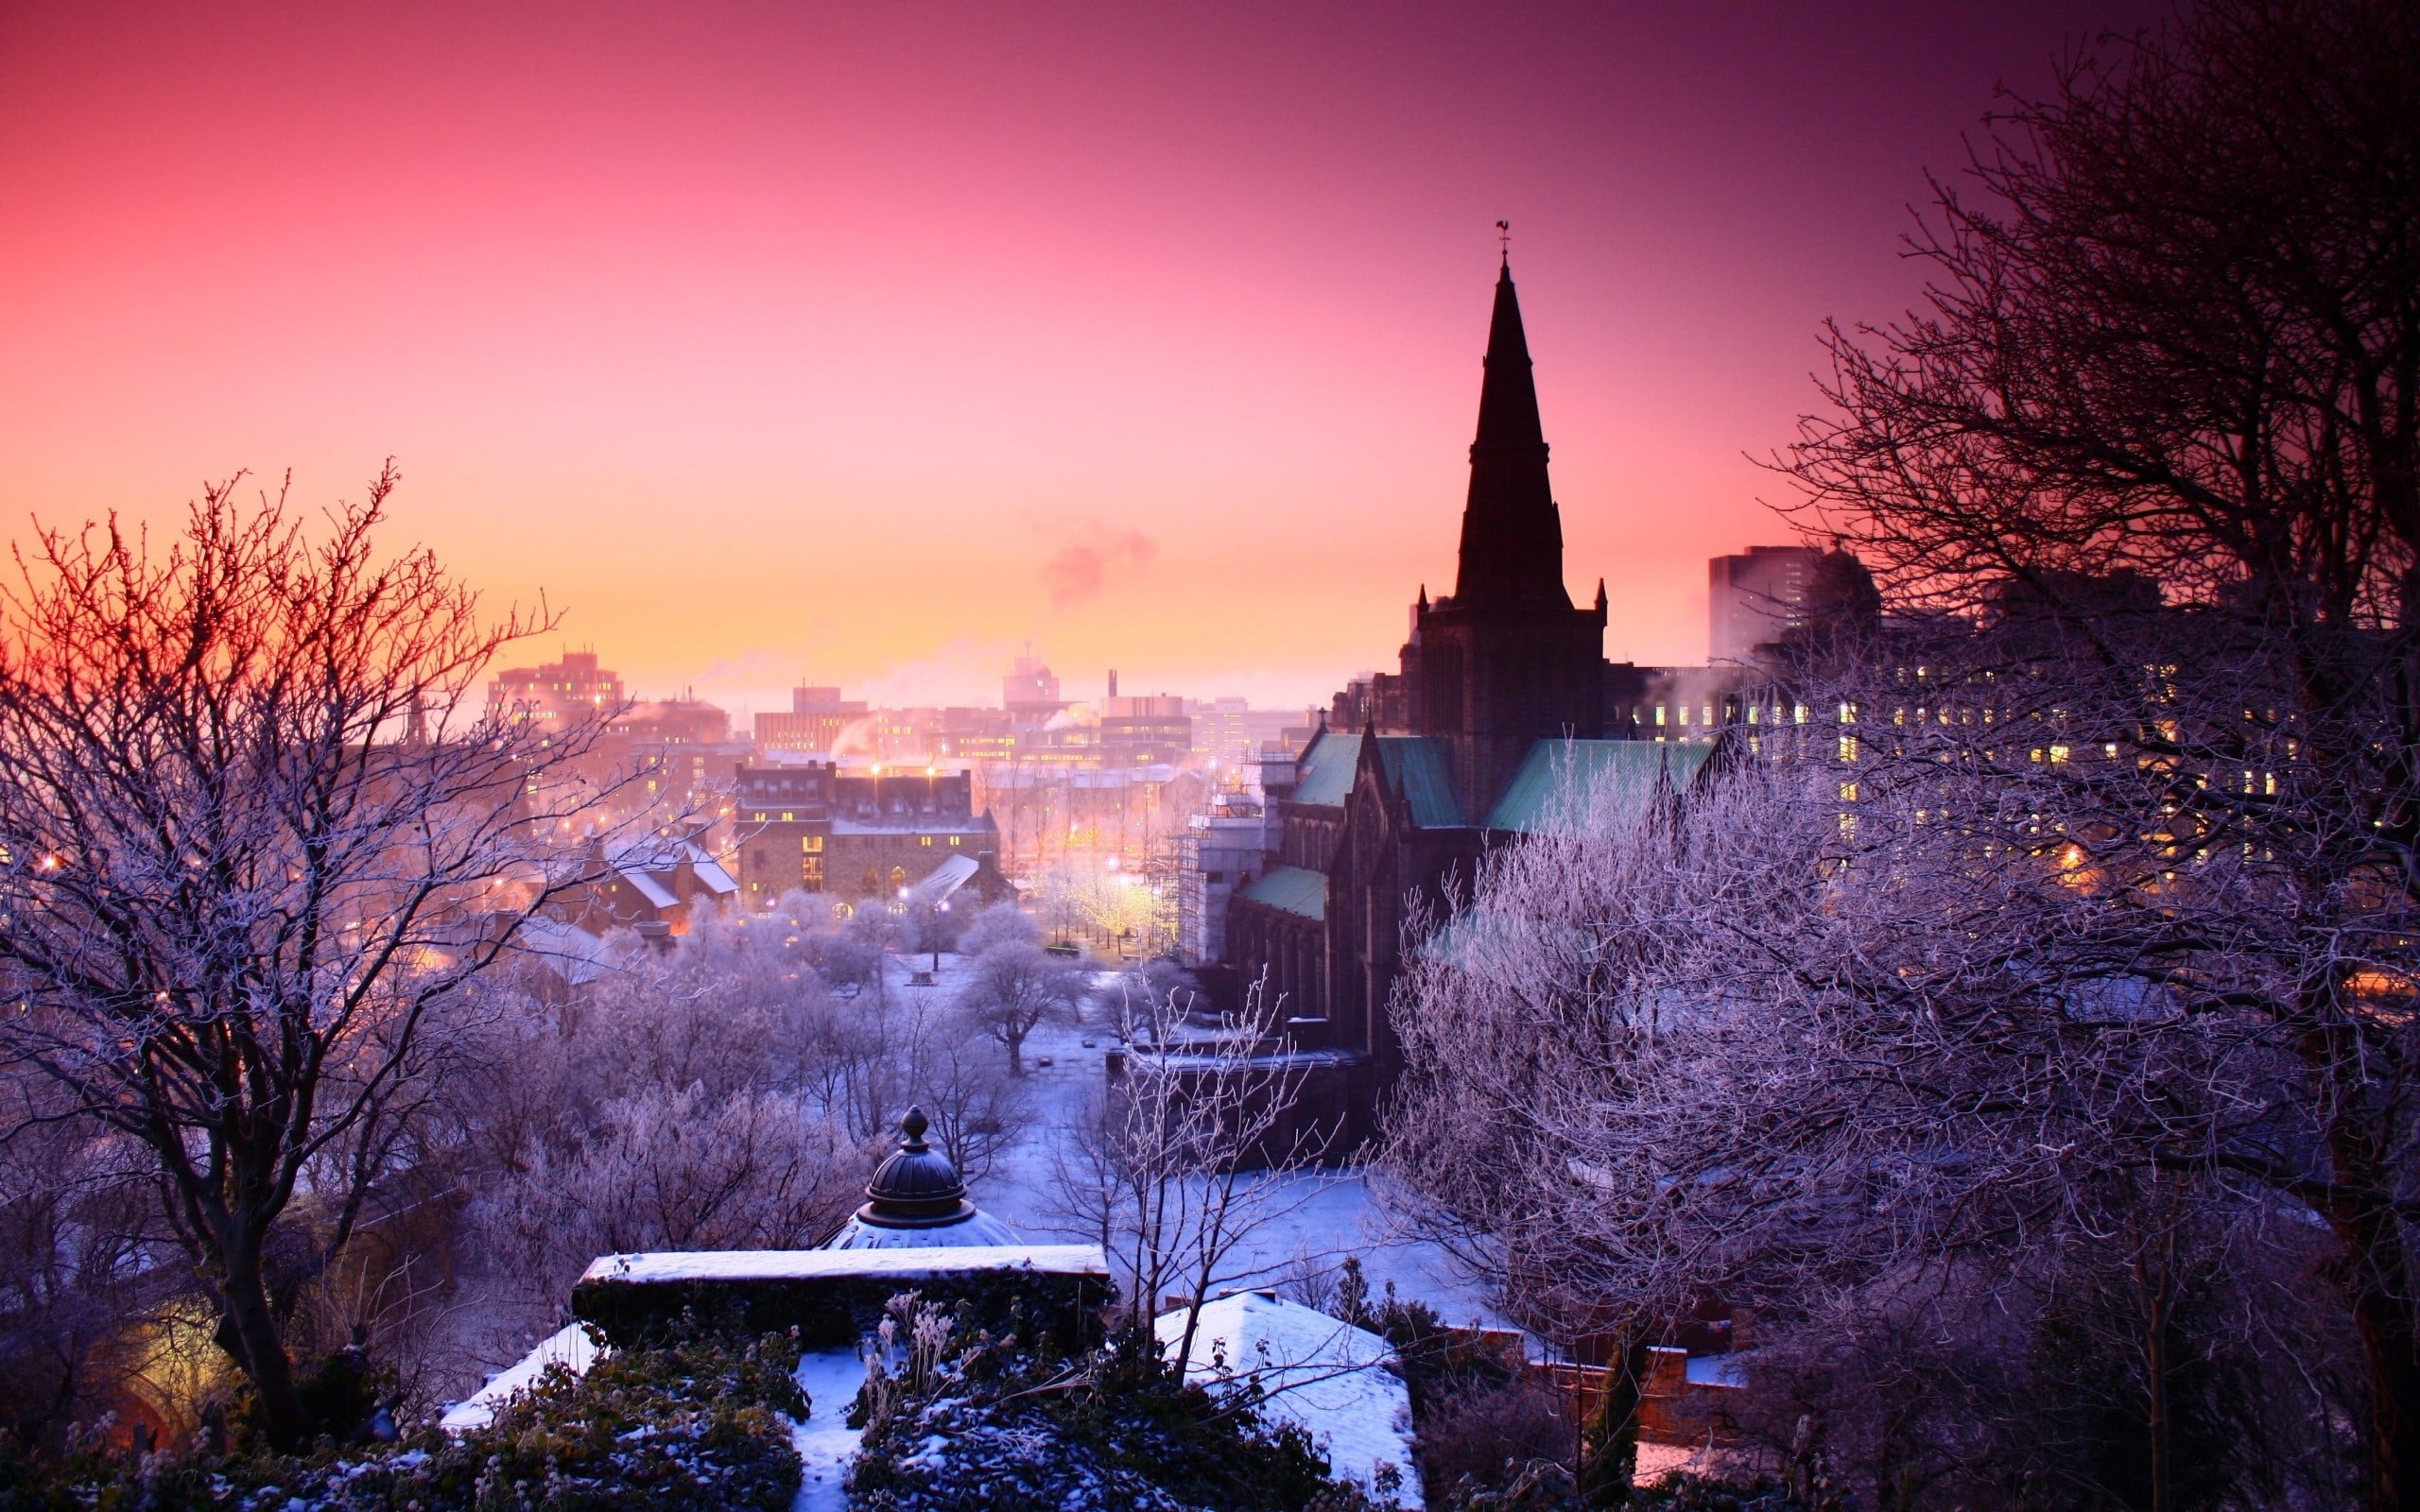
{"x": 914, "y": 1125}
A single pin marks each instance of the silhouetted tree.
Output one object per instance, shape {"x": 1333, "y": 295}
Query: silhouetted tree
{"x": 252, "y": 847}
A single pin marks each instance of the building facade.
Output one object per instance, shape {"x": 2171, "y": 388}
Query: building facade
{"x": 1503, "y": 703}
{"x": 818, "y": 829}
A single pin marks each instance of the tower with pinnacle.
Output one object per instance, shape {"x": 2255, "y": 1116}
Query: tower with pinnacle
{"x": 1505, "y": 661}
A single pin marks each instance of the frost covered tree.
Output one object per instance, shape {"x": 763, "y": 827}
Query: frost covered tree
{"x": 252, "y": 849}
{"x": 1012, "y": 987}
{"x": 1870, "y": 1040}
{"x": 1190, "y": 1153}
{"x": 2160, "y": 428}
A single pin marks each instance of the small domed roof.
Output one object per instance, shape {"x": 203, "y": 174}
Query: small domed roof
{"x": 915, "y": 1186}
{"x": 917, "y": 1200}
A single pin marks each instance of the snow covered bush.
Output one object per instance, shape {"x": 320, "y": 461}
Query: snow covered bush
{"x": 699, "y": 1424}
{"x": 956, "y": 1422}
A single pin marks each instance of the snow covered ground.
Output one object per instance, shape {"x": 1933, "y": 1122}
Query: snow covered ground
{"x": 826, "y": 1442}
{"x": 1328, "y": 1378}
{"x": 1321, "y": 1219}
{"x": 569, "y": 1347}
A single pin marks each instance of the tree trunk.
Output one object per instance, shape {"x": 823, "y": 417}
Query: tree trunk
{"x": 2380, "y": 1281}
{"x": 1608, "y": 1471}
{"x": 2155, "y": 1383}
{"x": 2154, "y": 1272}
{"x": 260, "y": 1350}
{"x": 2384, "y": 1317}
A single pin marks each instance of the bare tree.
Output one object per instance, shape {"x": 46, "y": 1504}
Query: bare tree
{"x": 2162, "y": 403}
{"x": 978, "y": 1110}
{"x": 1837, "y": 1027}
{"x": 1012, "y": 987}
{"x": 678, "y": 1169}
{"x": 1190, "y": 1153}
{"x": 253, "y": 850}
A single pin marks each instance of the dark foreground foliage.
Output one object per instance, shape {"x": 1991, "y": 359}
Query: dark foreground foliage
{"x": 973, "y": 1422}
{"x": 696, "y": 1424}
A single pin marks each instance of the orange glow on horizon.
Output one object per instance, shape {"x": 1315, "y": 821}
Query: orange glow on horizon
{"x": 862, "y": 346}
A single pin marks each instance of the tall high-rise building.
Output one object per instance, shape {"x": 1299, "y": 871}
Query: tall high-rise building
{"x": 1754, "y": 597}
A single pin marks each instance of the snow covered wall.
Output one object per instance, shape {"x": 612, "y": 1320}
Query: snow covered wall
{"x": 831, "y": 1296}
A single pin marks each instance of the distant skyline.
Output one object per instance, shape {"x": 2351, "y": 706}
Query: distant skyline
{"x": 862, "y": 344}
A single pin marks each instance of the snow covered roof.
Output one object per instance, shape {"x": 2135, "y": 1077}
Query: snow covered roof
{"x": 710, "y": 874}
{"x": 953, "y": 873}
{"x": 568, "y": 951}
{"x": 1319, "y": 1372}
{"x": 570, "y": 1348}
{"x": 978, "y": 1230}
{"x": 815, "y": 1265}
{"x": 656, "y": 893}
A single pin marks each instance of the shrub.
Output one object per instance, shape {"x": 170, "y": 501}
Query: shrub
{"x": 959, "y": 1423}
{"x": 698, "y": 1424}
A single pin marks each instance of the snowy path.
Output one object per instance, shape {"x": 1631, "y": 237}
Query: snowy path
{"x": 826, "y": 1442}
{"x": 1335, "y": 1215}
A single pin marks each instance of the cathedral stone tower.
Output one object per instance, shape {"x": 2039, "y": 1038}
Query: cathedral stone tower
{"x": 1505, "y": 661}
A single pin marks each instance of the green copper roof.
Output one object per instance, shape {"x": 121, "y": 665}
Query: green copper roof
{"x": 1325, "y": 773}
{"x": 1416, "y": 768}
{"x": 1294, "y": 889}
{"x": 1623, "y": 772}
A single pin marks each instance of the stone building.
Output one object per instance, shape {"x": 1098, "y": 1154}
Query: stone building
{"x": 1502, "y": 703}
{"x": 818, "y": 828}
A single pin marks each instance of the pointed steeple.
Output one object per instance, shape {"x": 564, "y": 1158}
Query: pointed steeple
{"x": 1512, "y": 532}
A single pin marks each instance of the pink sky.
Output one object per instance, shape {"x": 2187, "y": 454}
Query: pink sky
{"x": 858, "y": 344}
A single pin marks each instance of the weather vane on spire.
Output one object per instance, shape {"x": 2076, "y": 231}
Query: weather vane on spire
{"x": 1504, "y": 238}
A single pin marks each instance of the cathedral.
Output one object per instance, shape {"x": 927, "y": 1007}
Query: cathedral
{"x": 1504, "y": 699}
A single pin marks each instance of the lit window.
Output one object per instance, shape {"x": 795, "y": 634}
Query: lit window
{"x": 924, "y": 839}
{"x": 1659, "y": 714}
{"x": 954, "y": 839}
{"x": 1848, "y": 747}
{"x": 2058, "y": 753}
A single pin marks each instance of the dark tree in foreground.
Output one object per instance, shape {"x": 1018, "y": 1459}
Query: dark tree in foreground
{"x": 250, "y": 854}
{"x": 2159, "y": 429}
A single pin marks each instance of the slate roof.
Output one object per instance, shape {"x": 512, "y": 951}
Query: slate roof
{"x": 1621, "y": 772}
{"x": 1324, "y": 774}
{"x": 1416, "y": 768}
{"x": 1295, "y": 890}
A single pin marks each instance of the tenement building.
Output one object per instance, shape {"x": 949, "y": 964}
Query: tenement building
{"x": 1504, "y": 702}
{"x": 814, "y": 828}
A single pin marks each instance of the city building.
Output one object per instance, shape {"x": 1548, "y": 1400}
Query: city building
{"x": 1503, "y": 704}
{"x": 817, "y": 719}
{"x": 1229, "y": 734}
{"x": 651, "y": 885}
{"x": 818, "y": 828}
{"x": 1222, "y": 849}
{"x": 556, "y": 693}
{"x": 1154, "y": 732}
{"x": 1031, "y": 691}
{"x": 1756, "y": 597}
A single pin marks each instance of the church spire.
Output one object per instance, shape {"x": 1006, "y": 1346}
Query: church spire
{"x": 1511, "y": 533}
